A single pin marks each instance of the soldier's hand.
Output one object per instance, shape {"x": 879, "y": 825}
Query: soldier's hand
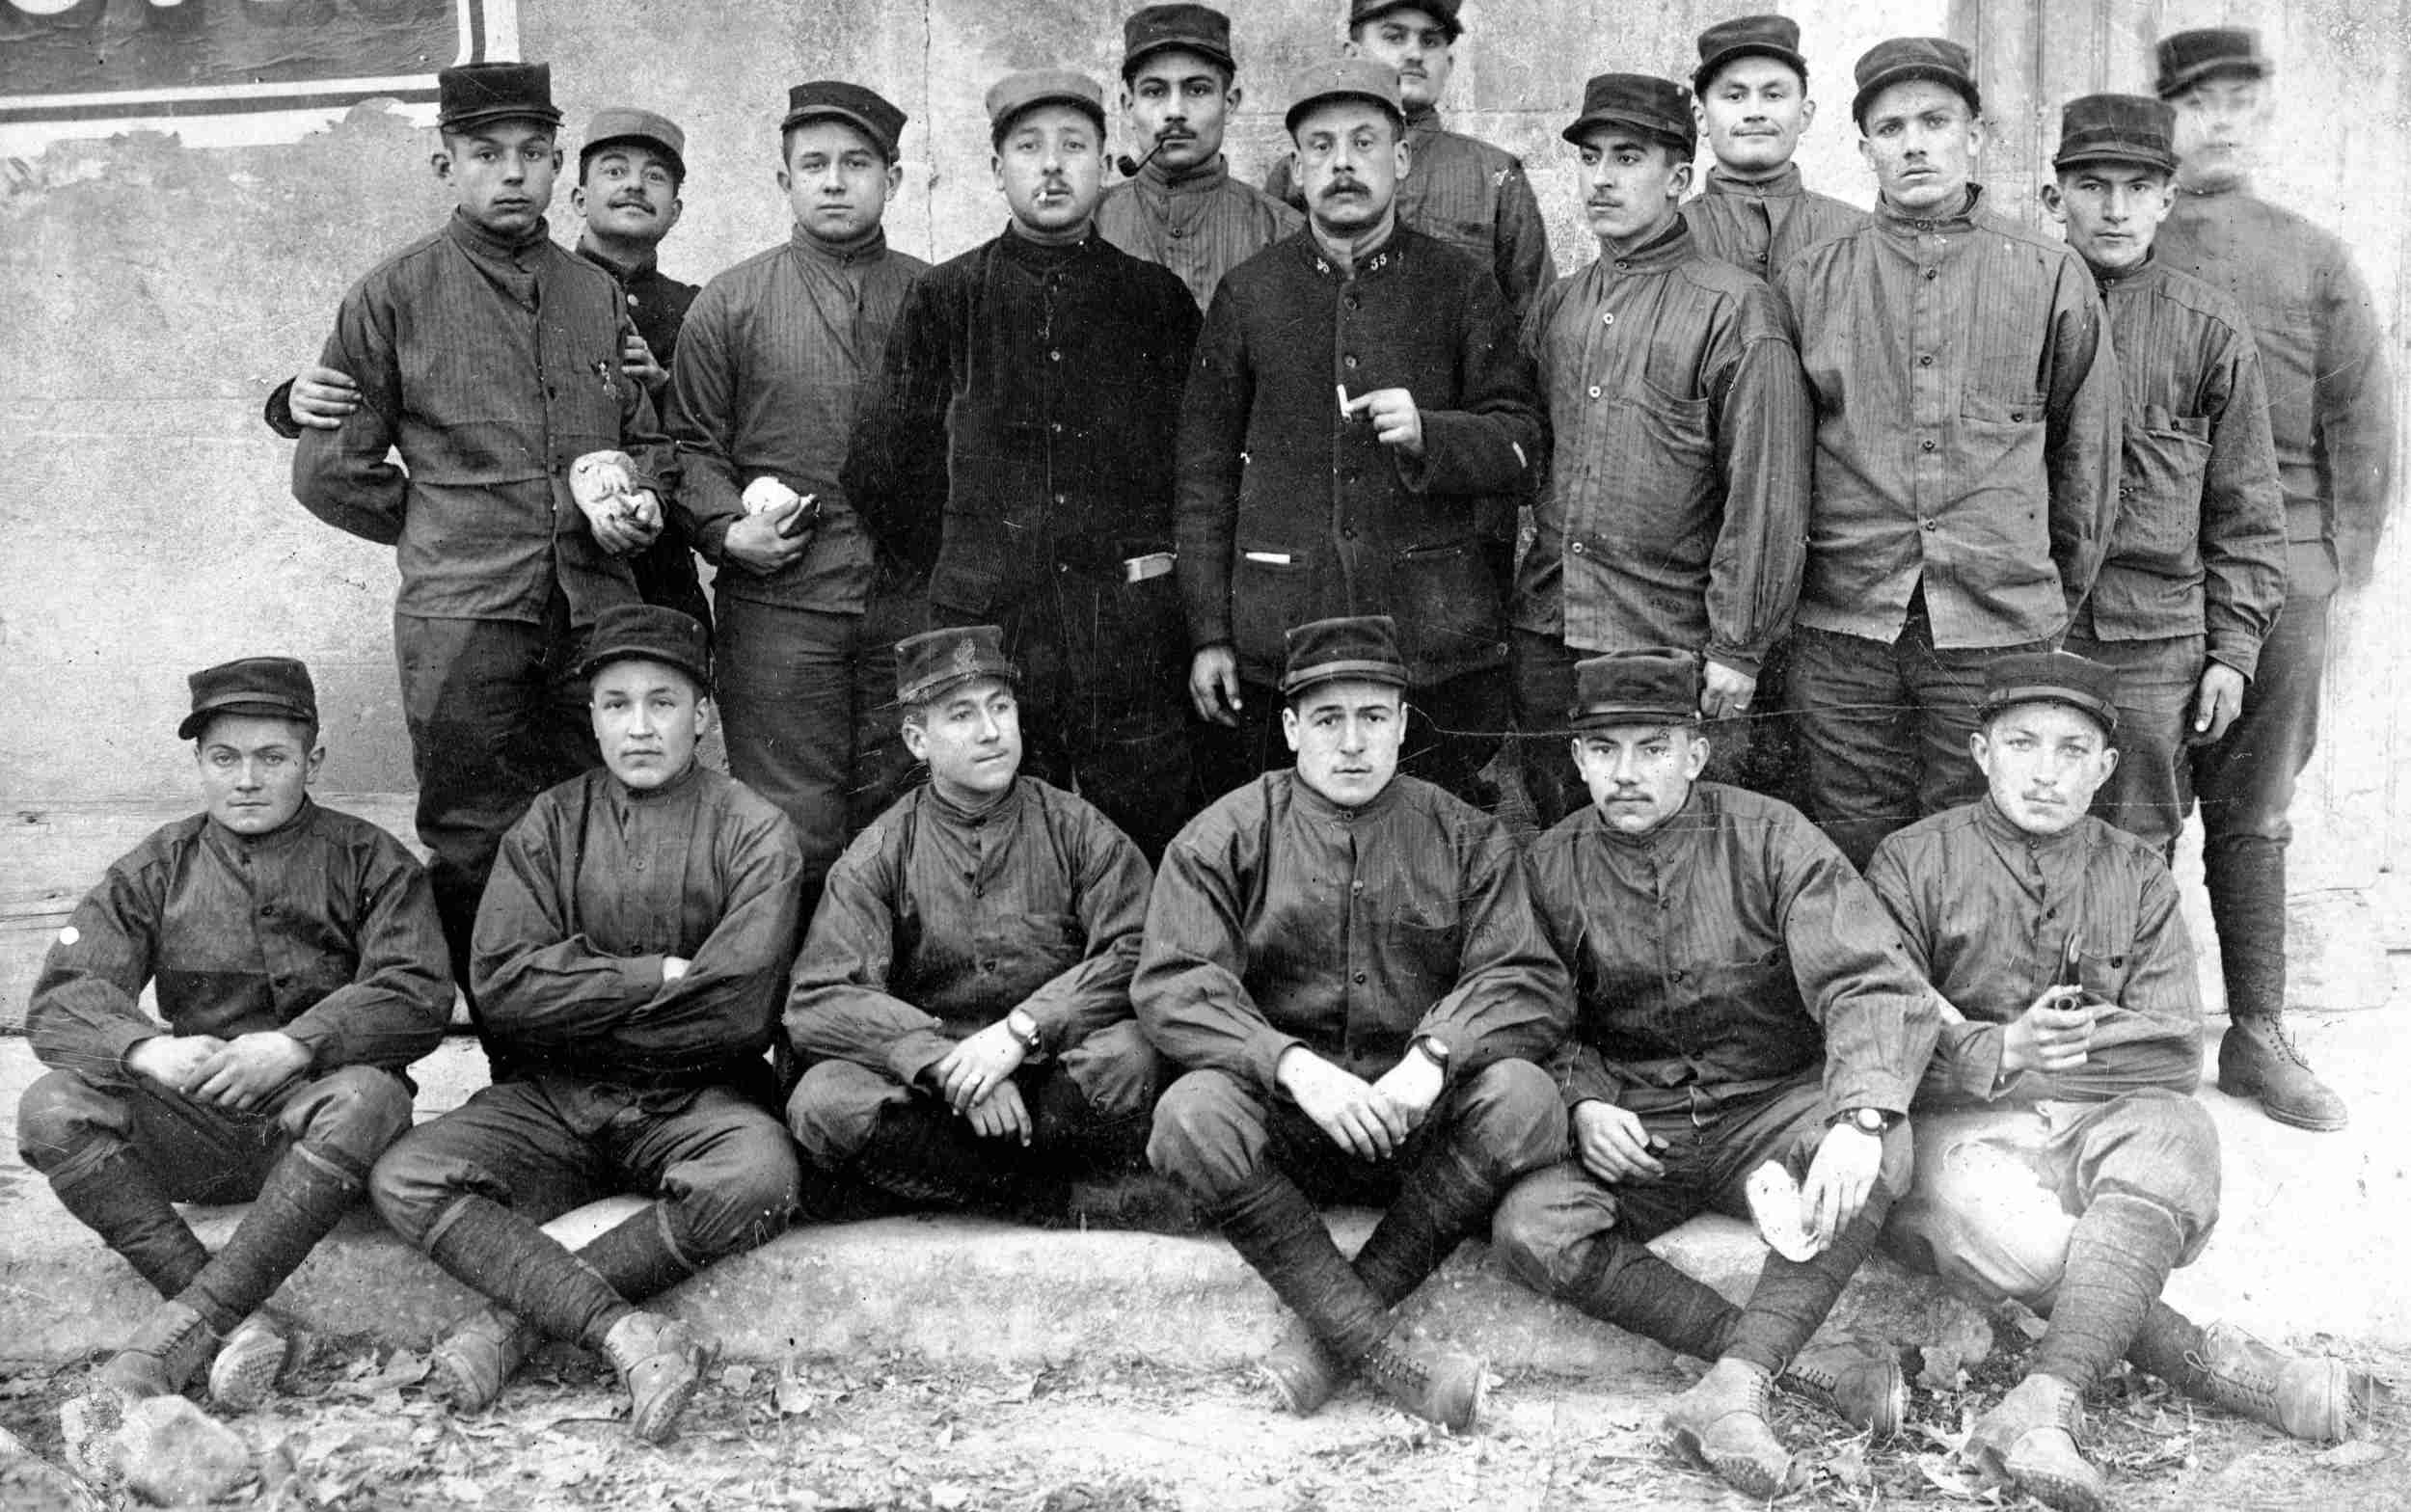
{"x": 1396, "y": 421}
{"x": 174, "y": 1061}
{"x": 1214, "y": 685}
{"x": 1725, "y": 692}
{"x": 636, "y": 361}
{"x": 1001, "y": 1113}
{"x": 1344, "y": 1106}
{"x": 2216, "y": 701}
{"x": 2052, "y": 1035}
{"x": 1411, "y": 1087}
{"x": 249, "y": 1067}
{"x": 1612, "y": 1144}
{"x": 758, "y": 542}
{"x": 1840, "y": 1180}
{"x": 322, "y": 396}
{"x": 978, "y": 1065}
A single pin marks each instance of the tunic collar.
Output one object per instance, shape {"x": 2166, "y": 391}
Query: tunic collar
{"x": 1665, "y": 251}
{"x": 1783, "y": 184}
{"x": 1391, "y": 253}
{"x": 1044, "y": 256}
{"x": 953, "y": 813}
{"x": 277, "y": 839}
{"x": 2004, "y": 834}
{"x": 639, "y": 798}
{"x": 2143, "y": 275}
{"x": 1676, "y": 827}
{"x": 481, "y": 243}
{"x": 1155, "y": 181}
{"x": 1316, "y": 806}
{"x": 868, "y": 247}
{"x": 624, "y": 272}
{"x": 1900, "y": 223}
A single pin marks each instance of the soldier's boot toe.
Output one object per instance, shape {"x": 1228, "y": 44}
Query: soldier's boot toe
{"x": 1303, "y": 1373}
{"x": 2259, "y": 1060}
{"x": 2308, "y": 1396}
{"x": 1858, "y": 1381}
{"x": 1437, "y": 1382}
{"x": 473, "y": 1361}
{"x": 661, "y": 1362}
{"x": 1721, "y": 1423}
{"x": 249, "y": 1361}
{"x": 2031, "y": 1439}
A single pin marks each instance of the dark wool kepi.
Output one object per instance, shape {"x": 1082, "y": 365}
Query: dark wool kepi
{"x": 1192, "y": 28}
{"x": 1363, "y": 647}
{"x": 275, "y": 688}
{"x": 649, "y": 632}
{"x": 473, "y": 93}
{"x": 1657, "y": 108}
{"x": 1659, "y": 685}
{"x": 2187, "y": 58}
{"x": 1748, "y": 36}
{"x": 1903, "y": 58}
{"x": 2117, "y": 128}
{"x": 1342, "y": 78}
{"x": 2056, "y": 677}
{"x": 832, "y": 99}
{"x": 1441, "y": 10}
{"x": 1031, "y": 87}
{"x": 627, "y": 123}
{"x": 935, "y": 661}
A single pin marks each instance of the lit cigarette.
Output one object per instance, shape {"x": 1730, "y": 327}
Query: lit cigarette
{"x": 1342, "y": 391}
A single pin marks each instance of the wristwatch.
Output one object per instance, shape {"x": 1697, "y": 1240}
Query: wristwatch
{"x": 1867, "y": 1121}
{"x": 1022, "y": 1027}
{"x": 1432, "y": 1050}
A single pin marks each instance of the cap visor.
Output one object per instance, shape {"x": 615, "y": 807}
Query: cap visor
{"x": 1654, "y": 131}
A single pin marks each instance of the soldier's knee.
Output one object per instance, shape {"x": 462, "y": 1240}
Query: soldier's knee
{"x": 410, "y": 1185}
{"x": 2163, "y": 1148}
{"x": 1117, "y": 1070}
{"x": 60, "y": 1117}
{"x": 1546, "y": 1225}
{"x": 1207, "y": 1133}
{"x": 355, "y": 1111}
{"x": 1512, "y": 1117}
{"x": 746, "y": 1197}
{"x": 834, "y": 1109}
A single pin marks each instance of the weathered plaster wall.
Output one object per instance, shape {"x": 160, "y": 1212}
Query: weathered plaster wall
{"x": 152, "y": 293}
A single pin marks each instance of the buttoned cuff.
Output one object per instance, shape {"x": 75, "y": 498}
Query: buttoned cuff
{"x": 1851, "y": 1087}
{"x": 2237, "y": 651}
{"x": 1746, "y": 663}
{"x": 115, "y": 1041}
{"x": 313, "y": 1038}
{"x": 916, "y": 1052}
{"x": 1264, "y": 1050}
{"x": 277, "y": 412}
{"x": 1971, "y": 1054}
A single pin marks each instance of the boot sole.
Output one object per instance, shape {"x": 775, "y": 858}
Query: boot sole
{"x": 242, "y": 1378}
{"x": 659, "y": 1421}
{"x": 2251, "y": 1091}
{"x": 2060, "y": 1493}
{"x": 1293, "y": 1396}
{"x": 1747, "y": 1476}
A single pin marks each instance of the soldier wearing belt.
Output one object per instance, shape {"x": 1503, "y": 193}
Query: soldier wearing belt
{"x": 632, "y": 953}
{"x": 964, "y": 997}
{"x": 299, "y": 967}
{"x": 1342, "y": 961}
{"x": 2062, "y": 1160}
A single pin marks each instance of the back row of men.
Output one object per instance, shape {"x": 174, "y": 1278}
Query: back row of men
{"x": 1850, "y": 459}
{"x": 1343, "y": 983}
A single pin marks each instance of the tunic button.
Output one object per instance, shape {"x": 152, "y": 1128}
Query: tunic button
{"x": 1934, "y": 272}
{"x": 1054, "y": 357}
{"x": 1926, "y": 444}
{"x": 1576, "y": 548}
{"x": 1929, "y": 524}
{"x": 1678, "y": 976}
{"x": 1356, "y": 887}
{"x": 1607, "y": 318}
{"x": 988, "y": 965}
{"x": 1594, "y": 391}
{"x": 1926, "y": 360}
{"x": 268, "y": 911}
{"x": 1349, "y": 362}
{"x": 1360, "y": 979}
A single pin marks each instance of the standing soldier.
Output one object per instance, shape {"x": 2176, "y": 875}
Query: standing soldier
{"x": 1018, "y": 447}
{"x": 2196, "y": 572}
{"x": 490, "y": 360}
{"x": 779, "y": 351}
{"x": 964, "y": 996}
{"x": 1345, "y": 964}
{"x": 1180, "y": 207}
{"x": 1359, "y": 399}
{"x": 1677, "y": 503}
{"x": 1750, "y": 96}
{"x": 2332, "y": 417}
{"x": 1966, "y": 463}
{"x": 298, "y": 967}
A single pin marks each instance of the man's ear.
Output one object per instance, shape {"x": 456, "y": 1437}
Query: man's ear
{"x": 2054, "y": 202}
{"x": 916, "y": 740}
{"x": 317, "y": 758}
{"x": 441, "y": 160}
{"x": 1289, "y": 729}
{"x": 578, "y": 199}
{"x": 677, "y": 207}
{"x": 1681, "y": 182}
{"x": 1807, "y": 115}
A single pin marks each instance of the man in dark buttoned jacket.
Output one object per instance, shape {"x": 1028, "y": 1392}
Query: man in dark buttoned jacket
{"x": 1359, "y": 399}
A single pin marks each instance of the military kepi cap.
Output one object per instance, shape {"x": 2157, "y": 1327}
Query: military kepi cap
{"x": 931, "y": 662}
{"x": 472, "y": 93}
{"x": 1342, "y": 78}
{"x": 1657, "y": 684}
{"x": 2117, "y": 128}
{"x": 1775, "y": 36}
{"x": 1192, "y": 28}
{"x": 1031, "y": 87}
{"x": 1903, "y": 58}
{"x": 274, "y": 687}
{"x": 1363, "y": 647}
{"x": 1444, "y": 11}
{"x": 614, "y": 123}
{"x": 866, "y": 110}
{"x": 2187, "y": 58}
{"x": 1656, "y": 108}
{"x": 2057, "y": 677}
{"x": 649, "y": 632}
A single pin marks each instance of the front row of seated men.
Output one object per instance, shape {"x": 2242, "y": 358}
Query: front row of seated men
{"x": 1358, "y": 988}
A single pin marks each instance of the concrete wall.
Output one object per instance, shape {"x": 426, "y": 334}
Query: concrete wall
{"x": 151, "y": 293}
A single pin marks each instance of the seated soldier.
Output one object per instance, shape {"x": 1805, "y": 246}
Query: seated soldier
{"x": 965, "y": 992}
{"x": 2062, "y": 1159}
{"x": 299, "y": 967}
{"x": 630, "y": 955}
{"x": 1345, "y": 964}
{"x": 1739, "y": 1000}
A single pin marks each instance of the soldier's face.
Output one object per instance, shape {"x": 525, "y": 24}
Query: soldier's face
{"x": 1631, "y": 183}
{"x": 1181, "y": 100}
{"x": 1349, "y": 159}
{"x": 628, "y": 190}
{"x": 1920, "y": 139}
{"x": 1347, "y": 736}
{"x": 970, "y": 735}
{"x": 836, "y": 180}
{"x": 2220, "y": 122}
{"x": 255, "y": 770}
{"x": 502, "y": 173}
{"x": 1753, "y": 113}
{"x": 1638, "y": 775}
{"x": 1051, "y": 167}
{"x": 2043, "y": 762}
{"x": 647, "y": 719}
{"x": 2111, "y": 211}
{"x": 1414, "y": 43}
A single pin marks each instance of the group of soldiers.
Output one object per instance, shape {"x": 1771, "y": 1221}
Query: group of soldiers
{"x": 1206, "y": 634}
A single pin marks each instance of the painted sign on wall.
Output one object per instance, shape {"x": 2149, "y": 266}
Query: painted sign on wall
{"x": 227, "y": 70}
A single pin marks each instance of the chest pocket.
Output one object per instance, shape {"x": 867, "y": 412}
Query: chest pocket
{"x": 2159, "y": 506}
{"x": 2102, "y": 970}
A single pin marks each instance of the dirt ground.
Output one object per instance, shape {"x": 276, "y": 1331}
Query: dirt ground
{"x": 352, "y": 1433}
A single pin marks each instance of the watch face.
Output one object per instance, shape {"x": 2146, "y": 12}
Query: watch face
{"x": 1869, "y": 1120}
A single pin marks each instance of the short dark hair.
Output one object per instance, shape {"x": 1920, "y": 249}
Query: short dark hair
{"x": 1130, "y": 67}
{"x": 787, "y": 138}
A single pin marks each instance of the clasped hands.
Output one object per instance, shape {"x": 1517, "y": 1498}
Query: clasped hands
{"x": 1369, "y": 1120}
{"x": 238, "y": 1073}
